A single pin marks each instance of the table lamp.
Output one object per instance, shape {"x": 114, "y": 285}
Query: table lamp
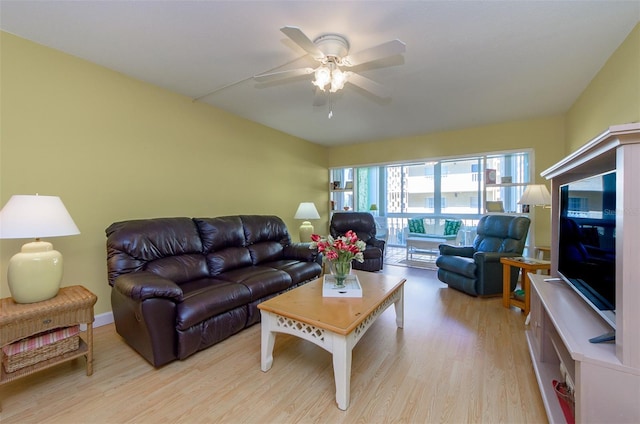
{"x": 306, "y": 211}
{"x": 35, "y": 273}
{"x": 535, "y": 195}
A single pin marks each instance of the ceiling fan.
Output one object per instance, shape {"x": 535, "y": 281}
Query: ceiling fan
{"x": 332, "y": 52}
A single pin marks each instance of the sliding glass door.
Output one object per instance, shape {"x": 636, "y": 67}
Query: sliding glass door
{"x": 459, "y": 188}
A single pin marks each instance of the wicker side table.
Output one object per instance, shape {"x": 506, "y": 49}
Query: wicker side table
{"x": 73, "y": 305}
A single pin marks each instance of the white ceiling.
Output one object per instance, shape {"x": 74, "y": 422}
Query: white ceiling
{"x": 467, "y": 63}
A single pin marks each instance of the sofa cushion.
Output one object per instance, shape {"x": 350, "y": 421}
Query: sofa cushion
{"x": 180, "y": 269}
{"x": 260, "y": 280}
{"x": 451, "y": 227}
{"x": 228, "y": 259}
{"x": 220, "y": 233}
{"x": 416, "y": 226}
{"x": 208, "y": 297}
{"x": 298, "y": 271}
{"x": 265, "y": 251}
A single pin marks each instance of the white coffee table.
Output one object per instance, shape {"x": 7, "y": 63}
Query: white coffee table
{"x": 334, "y": 324}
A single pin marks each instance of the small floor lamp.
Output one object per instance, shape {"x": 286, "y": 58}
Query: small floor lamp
{"x": 534, "y": 195}
{"x": 35, "y": 273}
{"x": 306, "y": 211}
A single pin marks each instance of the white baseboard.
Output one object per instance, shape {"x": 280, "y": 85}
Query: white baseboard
{"x": 103, "y": 319}
{"x": 100, "y": 320}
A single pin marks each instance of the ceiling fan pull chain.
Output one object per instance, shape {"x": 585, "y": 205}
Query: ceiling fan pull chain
{"x": 330, "y": 105}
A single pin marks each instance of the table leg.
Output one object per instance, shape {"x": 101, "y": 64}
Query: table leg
{"x": 527, "y": 292}
{"x": 506, "y": 284}
{"x": 89, "y": 348}
{"x": 342, "y": 370}
{"x": 399, "y": 306}
{"x": 267, "y": 342}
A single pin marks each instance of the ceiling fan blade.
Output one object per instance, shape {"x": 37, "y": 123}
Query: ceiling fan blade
{"x": 369, "y": 85}
{"x": 384, "y": 50}
{"x": 274, "y": 76}
{"x": 320, "y": 97}
{"x": 299, "y": 37}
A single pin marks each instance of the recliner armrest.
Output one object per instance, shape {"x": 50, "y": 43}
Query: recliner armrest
{"x": 376, "y": 243}
{"x": 301, "y": 252}
{"x": 146, "y": 285}
{"x": 492, "y": 256}
{"x": 465, "y": 251}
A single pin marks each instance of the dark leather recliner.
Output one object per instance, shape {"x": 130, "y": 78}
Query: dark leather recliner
{"x": 363, "y": 224}
{"x": 476, "y": 270}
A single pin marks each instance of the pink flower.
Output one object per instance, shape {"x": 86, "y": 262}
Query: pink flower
{"x": 343, "y": 249}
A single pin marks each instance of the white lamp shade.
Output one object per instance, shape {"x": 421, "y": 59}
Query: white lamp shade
{"x": 26, "y": 216}
{"x": 535, "y": 195}
{"x": 307, "y": 210}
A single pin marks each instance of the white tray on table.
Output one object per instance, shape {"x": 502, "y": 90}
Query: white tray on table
{"x": 352, "y": 287}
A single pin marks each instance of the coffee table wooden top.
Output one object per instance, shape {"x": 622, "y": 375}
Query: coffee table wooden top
{"x": 339, "y": 315}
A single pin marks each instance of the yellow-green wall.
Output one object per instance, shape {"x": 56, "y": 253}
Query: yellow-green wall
{"x": 114, "y": 148}
{"x": 612, "y": 97}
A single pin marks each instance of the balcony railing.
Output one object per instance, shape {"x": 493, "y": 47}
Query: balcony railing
{"x": 397, "y": 224}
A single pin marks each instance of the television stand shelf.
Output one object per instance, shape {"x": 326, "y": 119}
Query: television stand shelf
{"x": 559, "y": 332}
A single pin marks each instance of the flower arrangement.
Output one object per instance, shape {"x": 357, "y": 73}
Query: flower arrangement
{"x": 340, "y": 249}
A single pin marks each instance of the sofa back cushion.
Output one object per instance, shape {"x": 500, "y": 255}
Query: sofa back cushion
{"x": 266, "y": 237}
{"x": 228, "y": 259}
{"x": 220, "y": 233}
{"x": 165, "y": 246}
{"x": 265, "y": 228}
{"x": 223, "y": 243}
{"x": 232, "y": 242}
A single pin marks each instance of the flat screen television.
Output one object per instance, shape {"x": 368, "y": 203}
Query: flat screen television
{"x": 587, "y": 241}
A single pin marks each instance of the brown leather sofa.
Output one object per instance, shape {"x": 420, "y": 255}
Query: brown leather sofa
{"x": 181, "y": 285}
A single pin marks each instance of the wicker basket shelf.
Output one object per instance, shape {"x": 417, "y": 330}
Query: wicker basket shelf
{"x": 23, "y": 359}
{"x": 6, "y": 377}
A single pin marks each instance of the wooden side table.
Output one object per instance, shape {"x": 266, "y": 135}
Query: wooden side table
{"x": 526, "y": 265}
{"x": 73, "y": 305}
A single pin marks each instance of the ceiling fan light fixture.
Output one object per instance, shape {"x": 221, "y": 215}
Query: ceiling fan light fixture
{"x": 338, "y": 78}
{"x": 323, "y": 77}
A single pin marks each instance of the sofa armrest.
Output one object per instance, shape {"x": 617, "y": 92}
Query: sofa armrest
{"x": 146, "y": 285}
{"x": 301, "y": 252}
{"x": 464, "y": 251}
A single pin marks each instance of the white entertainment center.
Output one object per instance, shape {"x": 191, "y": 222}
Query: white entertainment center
{"x": 605, "y": 376}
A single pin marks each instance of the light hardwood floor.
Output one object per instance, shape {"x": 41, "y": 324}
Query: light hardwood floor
{"x": 458, "y": 359}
